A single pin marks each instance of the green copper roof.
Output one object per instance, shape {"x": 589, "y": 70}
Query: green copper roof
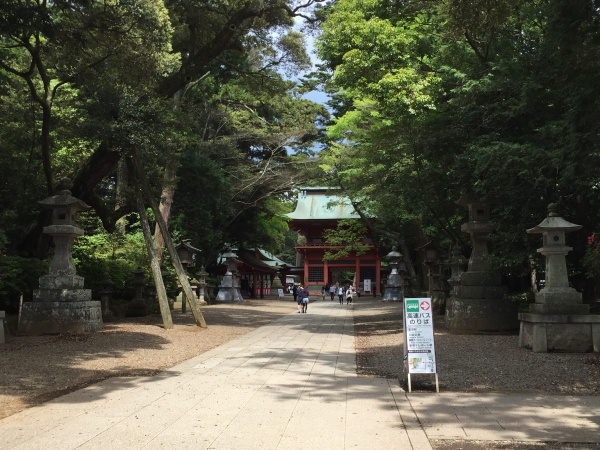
{"x": 322, "y": 203}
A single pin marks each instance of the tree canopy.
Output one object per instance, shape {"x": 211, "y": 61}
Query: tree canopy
{"x": 436, "y": 99}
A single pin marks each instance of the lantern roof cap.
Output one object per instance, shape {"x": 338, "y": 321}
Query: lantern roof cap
{"x": 394, "y": 254}
{"x": 189, "y": 247}
{"x": 64, "y": 198}
{"x": 554, "y": 222}
{"x": 469, "y": 199}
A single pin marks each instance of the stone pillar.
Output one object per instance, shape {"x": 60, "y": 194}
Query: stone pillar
{"x": 558, "y": 321}
{"x": 457, "y": 263}
{"x": 61, "y": 304}
{"x": 478, "y": 303}
{"x": 137, "y": 307}
{"x": 106, "y": 290}
{"x": 2, "y": 338}
{"x": 202, "y": 274}
{"x": 150, "y": 297}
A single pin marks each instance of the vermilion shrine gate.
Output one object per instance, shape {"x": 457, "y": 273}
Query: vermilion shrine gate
{"x": 318, "y": 209}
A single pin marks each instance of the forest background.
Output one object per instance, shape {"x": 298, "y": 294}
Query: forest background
{"x": 428, "y": 100}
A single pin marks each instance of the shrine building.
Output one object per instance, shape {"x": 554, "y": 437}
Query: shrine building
{"x": 318, "y": 209}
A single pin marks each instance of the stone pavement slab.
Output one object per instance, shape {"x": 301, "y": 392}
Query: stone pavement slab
{"x": 508, "y": 417}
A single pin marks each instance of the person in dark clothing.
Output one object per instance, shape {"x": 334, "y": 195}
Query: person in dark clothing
{"x": 295, "y": 293}
{"x": 299, "y": 298}
{"x": 304, "y": 295}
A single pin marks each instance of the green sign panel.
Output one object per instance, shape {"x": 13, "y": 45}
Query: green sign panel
{"x": 412, "y": 305}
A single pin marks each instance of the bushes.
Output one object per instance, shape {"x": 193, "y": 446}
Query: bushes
{"x": 116, "y": 254}
{"x": 19, "y": 276}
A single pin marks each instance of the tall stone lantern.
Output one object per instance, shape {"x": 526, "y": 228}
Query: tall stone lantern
{"x": 61, "y": 304}
{"x": 393, "y": 288}
{"x": 558, "y": 321}
{"x": 202, "y": 274}
{"x": 478, "y": 303}
{"x": 229, "y": 290}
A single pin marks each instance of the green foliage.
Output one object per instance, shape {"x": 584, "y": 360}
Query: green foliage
{"x": 591, "y": 259}
{"x": 19, "y": 276}
{"x": 116, "y": 254}
{"x": 347, "y": 238}
{"x": 438, "y": 99}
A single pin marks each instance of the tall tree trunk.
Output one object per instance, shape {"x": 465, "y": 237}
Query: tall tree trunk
{"x": 181, "y": 274}
{"x": 168, "y": 189}
{"x": 161, "y": 292}
{"x": 166, "y": 201}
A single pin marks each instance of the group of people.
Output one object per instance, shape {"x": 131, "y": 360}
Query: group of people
{"x": 301, "y": 295}
{"x": 344, "y": 292}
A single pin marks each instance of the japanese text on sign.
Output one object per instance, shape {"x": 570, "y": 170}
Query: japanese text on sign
{"x": 418, "y": 328}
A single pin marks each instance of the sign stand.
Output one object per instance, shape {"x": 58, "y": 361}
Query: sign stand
{"x": 419, "y": 346}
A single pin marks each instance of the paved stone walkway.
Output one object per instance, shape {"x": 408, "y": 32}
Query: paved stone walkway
{"x": 291, "y": 384}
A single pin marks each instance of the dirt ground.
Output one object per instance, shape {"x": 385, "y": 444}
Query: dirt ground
{"x": 37, "y": 369}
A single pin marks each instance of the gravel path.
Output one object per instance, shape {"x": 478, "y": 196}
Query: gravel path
{"x": 470, "y": 363}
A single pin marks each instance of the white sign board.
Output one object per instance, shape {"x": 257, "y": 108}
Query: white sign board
{"x": 419, "y": 345}
{"x": 280, "y": 292}
{"x": 367, "y": 285}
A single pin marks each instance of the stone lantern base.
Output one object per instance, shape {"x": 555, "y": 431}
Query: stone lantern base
{"x": 558, "y": 321}
{"x": 60, "y": 317}
{"x": 61, "y": 305}
{"x": 569, "y": 333}
{"x": 478, "y": 305}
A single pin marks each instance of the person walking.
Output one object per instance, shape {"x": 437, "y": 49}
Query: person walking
{"x": 295, "y": 293}
{"x": 305, "y": 295}
{"x": 332, "y": 291}
{"x": 299, "y": 298}
{"x": 340, "y": 293}
{"x": 349, "y": 293}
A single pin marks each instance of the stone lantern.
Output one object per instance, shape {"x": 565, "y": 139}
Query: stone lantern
{"x": 558, "y": 321}
{"x": 61, "y": 304}
{"x": 202, "y": 274}
{"x": 478, "y": 302}
{"x": 106, "y": 289}
{"x": 63, "y": 231}
{"x": 430, "y": 253}
{"x": 276, "y": 283}
{"x": 393, "y": 288}
{"x": 186, "y": 255}
{"x": 137, "y": 307}
{"x": 229, "y": 288}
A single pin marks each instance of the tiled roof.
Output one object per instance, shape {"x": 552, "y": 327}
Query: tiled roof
{"x": 322, "y": 204}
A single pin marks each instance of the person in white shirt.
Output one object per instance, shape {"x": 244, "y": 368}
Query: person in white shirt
{"x": 349, "y": 294}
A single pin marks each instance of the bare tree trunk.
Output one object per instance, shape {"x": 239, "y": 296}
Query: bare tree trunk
{"x": 181, "y": 274}
{"x": 161, "y": 292}
{"x": 409, "y": 264}
{"x": 120, "y": 195}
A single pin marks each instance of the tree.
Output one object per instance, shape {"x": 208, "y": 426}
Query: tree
{"x": 442, "y": 98}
